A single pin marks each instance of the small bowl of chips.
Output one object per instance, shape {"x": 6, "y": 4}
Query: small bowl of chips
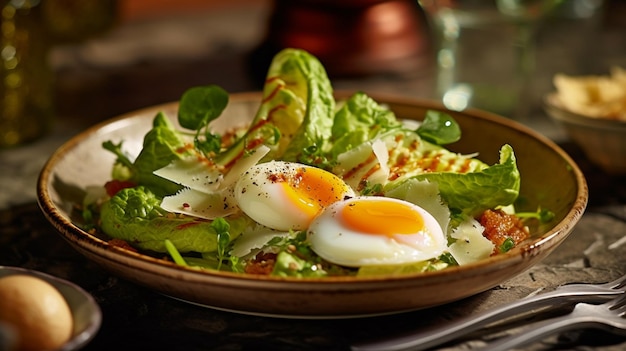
{"x": 592, "y": 110}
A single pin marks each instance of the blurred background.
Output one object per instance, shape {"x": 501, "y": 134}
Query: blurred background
{"x": 86, "y": 61}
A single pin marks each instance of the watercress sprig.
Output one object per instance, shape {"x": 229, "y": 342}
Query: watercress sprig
{"x": 542, "y": 214}
{"x": 198, "y": 107}
{"x": 222, "y": 228}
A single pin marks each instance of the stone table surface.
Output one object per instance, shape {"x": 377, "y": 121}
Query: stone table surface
{"x": 91, "y": 88}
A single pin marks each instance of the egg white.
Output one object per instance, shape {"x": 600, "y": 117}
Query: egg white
{"x": 337, "y": 243}
{"x": 260, "y": 196}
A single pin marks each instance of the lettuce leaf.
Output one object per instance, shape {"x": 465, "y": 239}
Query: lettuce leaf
{"x": 307, "y": 144}
{"x": 474, "y": 192}
{"x": 399, "y": 269}
{"x": 134, "y": 215}
{"x": 295, "y": 116}
{"x": 359, "y": 120}
{"x": 161, "y": 145}
{"x": 395, "y": 156}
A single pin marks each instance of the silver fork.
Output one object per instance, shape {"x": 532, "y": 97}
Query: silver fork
{"x": 423, "y": 339}
{"x": 609, "y": 315}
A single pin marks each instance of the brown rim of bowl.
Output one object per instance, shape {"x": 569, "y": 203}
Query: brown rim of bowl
{"x": 71, "y": 232}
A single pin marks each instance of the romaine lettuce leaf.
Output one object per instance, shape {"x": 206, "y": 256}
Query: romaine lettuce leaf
{"x": 400, "y": 154}
{"x": 474, "y": 192}
{"x": 295, "y": 116}
{"x": 134, "y": 215}
{"x": 360, "y": 119}
{"x": 307, "y": 144}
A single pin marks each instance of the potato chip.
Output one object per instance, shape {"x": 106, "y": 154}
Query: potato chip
{"x": 594, "y": 96}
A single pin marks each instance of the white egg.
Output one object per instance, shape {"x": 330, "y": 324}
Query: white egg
{"x": 284, "y": 195}
{"x": 373, "y": 230}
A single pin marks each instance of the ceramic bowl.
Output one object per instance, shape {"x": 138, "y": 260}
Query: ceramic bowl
{"x": 602, "y": 140}
{"x": 549, "y": 178}
{"x": 86, "y": 313}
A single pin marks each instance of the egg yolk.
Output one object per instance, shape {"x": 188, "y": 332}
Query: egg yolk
{"x": 310, "y": 190}
{"x": 384, "y": 218}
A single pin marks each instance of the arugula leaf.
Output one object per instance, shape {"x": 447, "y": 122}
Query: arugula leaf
{"x": 122, "y": 159}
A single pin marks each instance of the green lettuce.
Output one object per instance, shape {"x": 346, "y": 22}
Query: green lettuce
{"x": 296, "y": 258}
{"x": 306, "y": 144}
{"x": 411, "y": 155}
{"x": 295, "y": 116}
{"x": 134, "y": 215}
{"x": 474, "y": 192}
{"x": 399, "y": 269}
{"x": 359, "y": 120}
{"x": 161, "y": 145}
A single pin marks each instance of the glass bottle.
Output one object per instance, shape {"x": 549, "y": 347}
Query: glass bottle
{"x": 25, "y": 77}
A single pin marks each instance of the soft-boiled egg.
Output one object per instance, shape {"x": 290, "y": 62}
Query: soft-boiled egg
{"x": 285, "y": 195}
{"x": 373, "y": 230}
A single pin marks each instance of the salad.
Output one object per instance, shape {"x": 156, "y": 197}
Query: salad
{"x": 312, "y": 187}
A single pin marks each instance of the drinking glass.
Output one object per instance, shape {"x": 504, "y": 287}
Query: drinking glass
{"x": 485, "y": 54}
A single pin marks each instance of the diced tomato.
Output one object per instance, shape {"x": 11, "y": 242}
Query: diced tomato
{"x": 113, "y": 186}
{"x": 262, "y": 263}
{"x": 500, "y": 226}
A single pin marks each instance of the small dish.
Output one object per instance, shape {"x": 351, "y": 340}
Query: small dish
{"x": 557, "y": 184}
{"x": 602, "y": 140}
{"x": 87, "y": 316}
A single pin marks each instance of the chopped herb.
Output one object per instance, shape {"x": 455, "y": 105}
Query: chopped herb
{"x": 506, "y": 245}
